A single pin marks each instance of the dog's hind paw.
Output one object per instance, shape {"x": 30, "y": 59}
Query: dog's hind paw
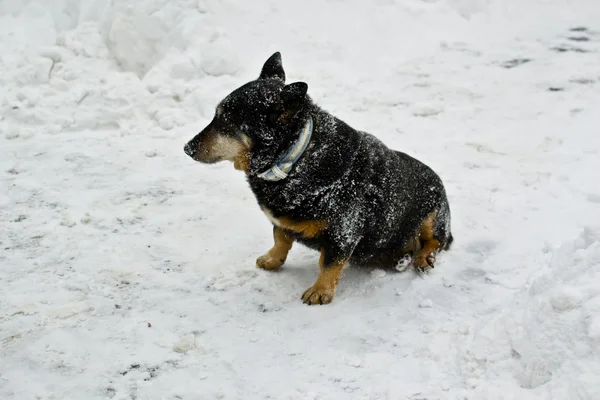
{"x": 425, "y": 263}
{"x": 405, "y": 262}
{"x": 269, "y": 262}
{"x": 315, "y": 295}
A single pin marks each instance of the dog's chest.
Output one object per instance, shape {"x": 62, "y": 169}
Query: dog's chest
{"x": 269, "y": 214}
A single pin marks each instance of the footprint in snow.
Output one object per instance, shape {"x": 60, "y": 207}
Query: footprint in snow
{"x": 579, "y": 29}
{"x": 481, "y": 247}
{"x": 583, "y": 81}
{"x": 593, "y": 198}
{"x": 565, "y": 49}
{"x": 579, "y": 34}
{"x": 515, "y": 62}
{"x": 579, "y": 38}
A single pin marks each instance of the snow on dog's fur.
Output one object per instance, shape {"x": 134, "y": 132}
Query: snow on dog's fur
{"x": 348, "y": 196}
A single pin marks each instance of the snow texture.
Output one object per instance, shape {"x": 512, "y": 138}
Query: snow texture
{"x": 127, "y": 270}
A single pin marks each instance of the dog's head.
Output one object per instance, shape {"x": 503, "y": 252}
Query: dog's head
{"x": 257, "y": 115}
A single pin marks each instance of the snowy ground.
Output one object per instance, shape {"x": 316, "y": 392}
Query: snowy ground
{"x": 127, "y": 271}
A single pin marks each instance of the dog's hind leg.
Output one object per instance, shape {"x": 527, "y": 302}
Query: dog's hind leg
{"x": 411, "y": 248}
{"x": 429, "y": 243}
{"x": 274, "y": 258}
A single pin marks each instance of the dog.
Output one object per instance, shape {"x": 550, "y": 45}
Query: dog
{"x": 324, "y": 184}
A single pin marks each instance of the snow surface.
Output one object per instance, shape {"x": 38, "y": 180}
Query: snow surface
{"x": 127, "y": 270}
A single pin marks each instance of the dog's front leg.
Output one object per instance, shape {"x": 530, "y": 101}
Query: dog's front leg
{"x": 343, "y": 236}
{"x": 274, "y": 258}
{"x": 331, "y": 264}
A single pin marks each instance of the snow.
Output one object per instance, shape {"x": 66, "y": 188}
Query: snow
{"x": 127, "y": 270}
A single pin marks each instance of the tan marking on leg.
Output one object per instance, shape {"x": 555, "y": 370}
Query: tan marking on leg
{"x": 425, "y": 257}
{"x": 413, "y": 245}
{"x": 275, "y": 257}
{"x": 323, "y": 291}
{"x": 308, "y": 229}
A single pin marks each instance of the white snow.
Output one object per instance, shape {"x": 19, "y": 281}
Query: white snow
{"x": 185, "y": 344}
{"x": 426, "y": 303}
{"x": 127, "y": 270}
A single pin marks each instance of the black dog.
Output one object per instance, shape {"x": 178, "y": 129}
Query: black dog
{"x": 322, "y": 183}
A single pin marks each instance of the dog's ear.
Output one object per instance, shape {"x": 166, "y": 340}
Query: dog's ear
{"x": 273, "y": 68}
{"x": 292, "y": 97}
{"x": 294, "y": 94}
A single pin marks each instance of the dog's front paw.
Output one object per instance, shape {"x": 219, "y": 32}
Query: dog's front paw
{"x": 269, "y": 262}
{"x": 318, "y": 295}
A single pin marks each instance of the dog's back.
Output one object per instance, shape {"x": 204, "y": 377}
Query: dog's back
{"x": 351, "y": 177}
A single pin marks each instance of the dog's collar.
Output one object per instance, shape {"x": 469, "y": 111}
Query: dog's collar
{"x": 283, "y": 167}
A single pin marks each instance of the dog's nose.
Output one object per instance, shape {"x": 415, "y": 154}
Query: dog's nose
{"x": 189, "y": 150}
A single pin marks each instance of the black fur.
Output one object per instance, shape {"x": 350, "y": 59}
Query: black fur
{"x": 374, "y": 199}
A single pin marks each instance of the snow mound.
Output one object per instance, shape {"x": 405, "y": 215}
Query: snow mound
{"x": 185, "y": 33}
{"x": 549, "y": 337}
